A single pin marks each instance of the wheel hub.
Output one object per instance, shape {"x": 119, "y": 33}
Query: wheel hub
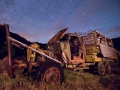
{"x": 52, "y": 74}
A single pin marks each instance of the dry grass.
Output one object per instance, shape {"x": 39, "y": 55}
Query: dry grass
{"x": 73, "y": 81}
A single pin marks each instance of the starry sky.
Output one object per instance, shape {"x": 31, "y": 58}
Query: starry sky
{"x": 39, "y": 20}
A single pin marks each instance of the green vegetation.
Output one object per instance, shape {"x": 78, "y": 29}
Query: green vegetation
{"x": 4, "y": 50}
{"x": 73, "y": 81}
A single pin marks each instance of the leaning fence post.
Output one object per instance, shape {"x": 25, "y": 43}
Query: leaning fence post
{"x": 9, "y": 44}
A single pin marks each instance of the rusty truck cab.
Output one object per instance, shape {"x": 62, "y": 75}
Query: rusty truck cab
{"x": 67, "y": 47}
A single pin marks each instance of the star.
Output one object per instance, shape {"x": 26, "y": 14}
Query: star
{"x": 32, "y": 17}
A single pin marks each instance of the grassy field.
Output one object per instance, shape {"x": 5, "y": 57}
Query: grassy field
{"x": 73, "y": 81}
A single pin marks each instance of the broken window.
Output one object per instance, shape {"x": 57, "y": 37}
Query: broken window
{"x": 75, "y": 45}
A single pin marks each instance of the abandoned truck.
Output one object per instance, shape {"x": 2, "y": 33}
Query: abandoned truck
{"x": 70, "y": 50}
{"x": 44, "y": 67}
{"x": 77, "y": 51}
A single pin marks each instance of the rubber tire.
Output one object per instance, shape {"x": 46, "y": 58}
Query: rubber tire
{"x": 45, "y": 66}
{"x": 108, "y": 68}
{"x": 101, "y": 66}
{"x": 118, "y": 60}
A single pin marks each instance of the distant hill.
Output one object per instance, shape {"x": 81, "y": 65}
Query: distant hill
{"x": 116, "y": 42}
{"x": 15, "y": 50}
{"x": 14, "y": 35}
{"x": 3, "y": 43}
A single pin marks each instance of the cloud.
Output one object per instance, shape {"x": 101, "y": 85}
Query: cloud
{"x": 33, "y": 21}
{"x": 113, "y": 32}
{"x": 83, "y": 13}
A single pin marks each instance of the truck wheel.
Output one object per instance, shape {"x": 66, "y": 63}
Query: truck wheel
{"x": 118, "y": 60}
{"x": 50, "y": 71}
{"x": 101, "y": 69}
{"x": 108, "y": 68}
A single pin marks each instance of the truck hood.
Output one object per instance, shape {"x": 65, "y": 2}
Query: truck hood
{"x": 58, "y": 36}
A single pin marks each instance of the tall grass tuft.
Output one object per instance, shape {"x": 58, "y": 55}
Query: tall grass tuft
{"x": 73, "y": 81}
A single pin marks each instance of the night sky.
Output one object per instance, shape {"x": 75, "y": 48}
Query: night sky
{"x": 39, "y": 20}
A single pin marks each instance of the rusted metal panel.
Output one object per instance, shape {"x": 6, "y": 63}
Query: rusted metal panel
{"x": 108, "y": 51}
{"x": 58, "y": 36}
{"x": 89, "y": 39}
{"x": 65, "y": 47}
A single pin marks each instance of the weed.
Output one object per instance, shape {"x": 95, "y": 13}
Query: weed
{"x": 73, "y": 81}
